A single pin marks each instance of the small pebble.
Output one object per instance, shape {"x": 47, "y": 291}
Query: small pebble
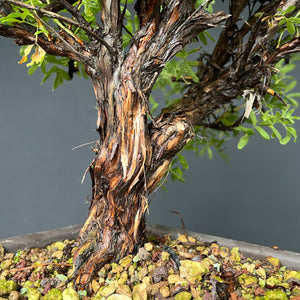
{"x": 148, "y": 247}
{"x": 159, "y": 274}
{"x": 14, "y": 295}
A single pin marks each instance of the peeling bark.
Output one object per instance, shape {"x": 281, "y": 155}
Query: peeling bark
{"x": 133, "y": 155}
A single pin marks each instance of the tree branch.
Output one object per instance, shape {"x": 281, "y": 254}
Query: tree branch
{"x": 166, "y": 33}
{"x": 81, "y": 22}
{"x": 248, "y": 66}
{"x": 24, "y": 37}
{"x": 111, "y": 15}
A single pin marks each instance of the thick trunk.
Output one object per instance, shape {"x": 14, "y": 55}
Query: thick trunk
{"x": 132, "y": 156}
{"x": 115, "y": 224}
{"x": 131, "y": 159}
{"x": 114, "y": 228}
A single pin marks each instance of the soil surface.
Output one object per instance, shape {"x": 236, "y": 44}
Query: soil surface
{"x": 180, "y": 269}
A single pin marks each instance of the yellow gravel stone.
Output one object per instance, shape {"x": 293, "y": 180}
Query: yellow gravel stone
{"x": 182, "y": 238}
{"x": 183, "y": 296}
{"x": 191, "y": 239}
{"x": 58, "y": 254}
{"x": 165, "y": 256}
{"x": 116, "y": 268}
{"x": 123, "y": 277}
{"x": 125, "y": 261}
{"x": 140, "y": 292}
{"x": 165, "y": 291}
{"x": 95, "y": 286}
{"x": 118, "y": 297}
{"x": 148, "y": 247}
{"x": 106, "y": 291}
{"x": 124, "y": 290}
{"x": 175, "y": 279}
{"x": 274, "y": 261}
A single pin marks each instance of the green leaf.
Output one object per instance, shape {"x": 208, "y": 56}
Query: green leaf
{"x": 293, "y": 132}
{"x": 57, "y": 81}
{"x": 183, "y": 161}
{"x": 176, "y": 173}
{"x": 276, "y": 133}
{"x": 208, "y": 35}
{"x": 202, "y": 38}
{"x": 294, "y": 20}
{"x": 33, "y": 68}
{"x": 202, "y": 151}
{"x": 290, "y": 86}
{"x": 209, "y": 153}
{"x": 258, "y": 15}
{"x": 243, "y": 141}
{"x": 290, "y": 27}
{"x": 228, "y": 119}
{"x": 253, "y": 118}
{"x": 289, "y": 9}
{"x": 262, "y": 133}
{"x": 286, "y": 139}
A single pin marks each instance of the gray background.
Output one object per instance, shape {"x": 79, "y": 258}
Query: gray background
{"x": 254, "y": 197}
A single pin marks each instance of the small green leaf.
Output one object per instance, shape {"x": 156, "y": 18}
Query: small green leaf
{"x": 176, "y": 173}
{"x": 286, "y": 139}
{"x": 258, "y": 15}
{"x": 183, "y": 161}
{"x": 293, "y": 132}
{"x": 33, "y": 68}
{"x": 228, "y": 119}
{"x": 202, "y": 38}
{"x": 294, "y": 20}
{"x": 253, "y": 118}
{"x": 202, "y": 151}
{"x": 57, "y": 81}
{"x": 243, "y": 141}
{"x": 208, "y": 35}
{"x": 290, "y": 27}
{"x": 263, "y": 133}
{"x": 289, "y": 9}
{"x": 276, "y": 133}
{"x": 290, "y": 86}
{"x": 209, "y": 153}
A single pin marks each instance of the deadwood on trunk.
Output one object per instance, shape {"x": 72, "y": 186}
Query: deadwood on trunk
{"x": 132, "y": 154}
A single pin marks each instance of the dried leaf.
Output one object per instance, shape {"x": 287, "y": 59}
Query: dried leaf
{"x": 26, "y": 53}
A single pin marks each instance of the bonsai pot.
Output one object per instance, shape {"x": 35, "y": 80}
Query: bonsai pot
{"x": 40, "y": 239}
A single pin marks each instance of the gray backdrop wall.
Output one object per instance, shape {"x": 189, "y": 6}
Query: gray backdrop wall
{"x": 255, "y": 197}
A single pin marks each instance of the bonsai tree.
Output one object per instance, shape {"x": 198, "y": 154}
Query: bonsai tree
{"x": 125, "y": 48}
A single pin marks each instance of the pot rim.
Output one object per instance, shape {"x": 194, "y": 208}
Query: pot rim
{"x": 41, "y": 239}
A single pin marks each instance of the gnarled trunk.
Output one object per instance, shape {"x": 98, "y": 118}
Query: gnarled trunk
{"x": 131, "y": 159}
{"x": 133, "y": 154}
